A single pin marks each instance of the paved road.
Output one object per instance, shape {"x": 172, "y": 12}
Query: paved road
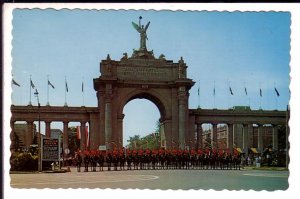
{"x": 157, "y": 179}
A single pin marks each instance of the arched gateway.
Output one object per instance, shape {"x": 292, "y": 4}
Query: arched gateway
{"x": 143, "y": 76}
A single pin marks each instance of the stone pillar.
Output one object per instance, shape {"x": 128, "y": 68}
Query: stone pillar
{"x": 101, "y": 117}
{"x": 108, "y": 116}
{"x": 12, "y": 136}
{"x": 199, "y": 136}
{"x": 48, "y": 129}
{"x": 163, "y": 139}
{"x": 230, "y": 138}
{"x": 275, "y": 137}
{"x": 120, "y": 130}
{"x": 168, "y": 133}
{"x": 182, "y": 116}
{"x": 246, "y": 132}
{"x": 29, "y": 135}
{"x": 260, "y": 138}
{"x": 83, "y": 136}
{"x": 174, "y": 119}
{"x": 65, "y": 132}
{"x": 94, "y": 131}
{"x": 108, "y": 130}
{"x": 192, "y": 132}
{"x": 214, "y": 136}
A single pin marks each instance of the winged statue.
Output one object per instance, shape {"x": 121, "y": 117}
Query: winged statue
{"x": 143, "y": 33}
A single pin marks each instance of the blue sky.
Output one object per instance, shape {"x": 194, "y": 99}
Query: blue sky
{"x": 239, "y": 49}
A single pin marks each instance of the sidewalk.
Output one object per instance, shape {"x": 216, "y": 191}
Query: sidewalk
{"x": 264, "y": 168}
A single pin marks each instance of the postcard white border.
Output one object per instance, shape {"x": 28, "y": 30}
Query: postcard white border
{"x": 96, "y": 193}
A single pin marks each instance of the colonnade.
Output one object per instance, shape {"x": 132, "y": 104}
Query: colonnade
{"x": 247, "y": 131}
{"x": 29, "y": 136}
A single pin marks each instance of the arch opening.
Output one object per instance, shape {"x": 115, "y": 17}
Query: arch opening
{"x": 141, "y": 123}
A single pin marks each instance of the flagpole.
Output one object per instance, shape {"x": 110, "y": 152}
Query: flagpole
{"x": 245, "y": 91}
{"x": 275, "y": 95}
{"x": 260, "y": 94}
{"x": 214, "y": 94}
{"x": 48, "y": 90}
{"x": 199, "y": 95}
{"x": 82, "y": 91}
{"x": 249, "y": 102}
{"x": 229, "y": 95}
{"x": 30, "y": 91}
{"x": 66, "y": 92}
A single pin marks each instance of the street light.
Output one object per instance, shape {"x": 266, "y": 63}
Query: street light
{"x": 36, "y": 94}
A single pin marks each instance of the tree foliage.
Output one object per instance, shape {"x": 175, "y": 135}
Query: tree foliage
{"x": 150, "y": 141}
{"x": 23, "y": 161}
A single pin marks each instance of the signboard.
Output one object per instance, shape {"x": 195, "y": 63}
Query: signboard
{"x": 50, "y": 149}
{"x": 102, "y": 147}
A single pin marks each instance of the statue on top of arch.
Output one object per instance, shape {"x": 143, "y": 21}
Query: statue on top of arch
{"x": 142, "y": 52}
{"x": 143, "y": 33}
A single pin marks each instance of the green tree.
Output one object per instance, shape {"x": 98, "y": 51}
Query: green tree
{"x": 151, "y": 141}
{"x": 73, "y": 142}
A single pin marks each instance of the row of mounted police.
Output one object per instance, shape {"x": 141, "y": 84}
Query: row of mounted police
{"x": 157, "y": 159}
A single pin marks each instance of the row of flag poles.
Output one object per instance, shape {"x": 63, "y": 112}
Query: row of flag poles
{"x": 49, "y": 84}
{"x": 231, "y": 93}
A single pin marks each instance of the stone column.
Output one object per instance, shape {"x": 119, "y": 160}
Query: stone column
{"x": 192, "y": 132}
{"x": 230, "y": 138}
{"x": 48, "y": 129}
{"x": 65, "y": 131}
{"x": 94, "y": 131}
{"x": 246, "y": 138}
{"x": 29, "y": 135}
{"x": 199, "y": 136}
{"x": 260, "y": 138}
{"x": 168, "y": 133}
{"x": 214, "y": 137}
{"x": 83, "y": 136}
{"x": 12, "y": 136}
{"x": 108, "y": 116}
{"x": 108, "y": 130}
{"x": 120, "y": 129}
{"x": 275, "y": 137}
{"x": 163, "y": 140}
{"x": 182, "y": 116}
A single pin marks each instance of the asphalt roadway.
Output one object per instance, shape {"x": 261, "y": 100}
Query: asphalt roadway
{"x": 157, "y": 179}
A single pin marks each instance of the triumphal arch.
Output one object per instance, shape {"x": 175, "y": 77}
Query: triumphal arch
{"x": 142, "y": 75}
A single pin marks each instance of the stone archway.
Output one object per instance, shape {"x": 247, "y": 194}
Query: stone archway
{"x": 143, "y": 76}
{"x": 151, "y": 95}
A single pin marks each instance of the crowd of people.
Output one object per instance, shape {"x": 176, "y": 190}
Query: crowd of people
{"x": 126, "y": 159}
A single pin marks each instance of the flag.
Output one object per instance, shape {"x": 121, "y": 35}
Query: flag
{"x": 230, "y": 90}
{"x": 82, "y": 87}
{"x": 49, "y": 83}
{"x": 31, "y": 84}
{"x": 260, "y": 92}
{"x": 78, "y": 133}
{"x": 67, "y": 87}
{"x": 214, "y": 91}
{"x": 198, "y": 91}
{"x": 15, "y": 83}
{"x": 246, "y": 91}
{"x": 277, "y": 93}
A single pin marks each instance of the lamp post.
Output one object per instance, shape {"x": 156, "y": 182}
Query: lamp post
{"x": 36, "y": 94}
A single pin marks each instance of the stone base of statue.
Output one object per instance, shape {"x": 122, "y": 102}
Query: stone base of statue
{"x": 142, "y": 53}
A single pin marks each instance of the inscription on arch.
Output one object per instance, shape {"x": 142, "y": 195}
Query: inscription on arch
{"x": 145, "y": 73}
